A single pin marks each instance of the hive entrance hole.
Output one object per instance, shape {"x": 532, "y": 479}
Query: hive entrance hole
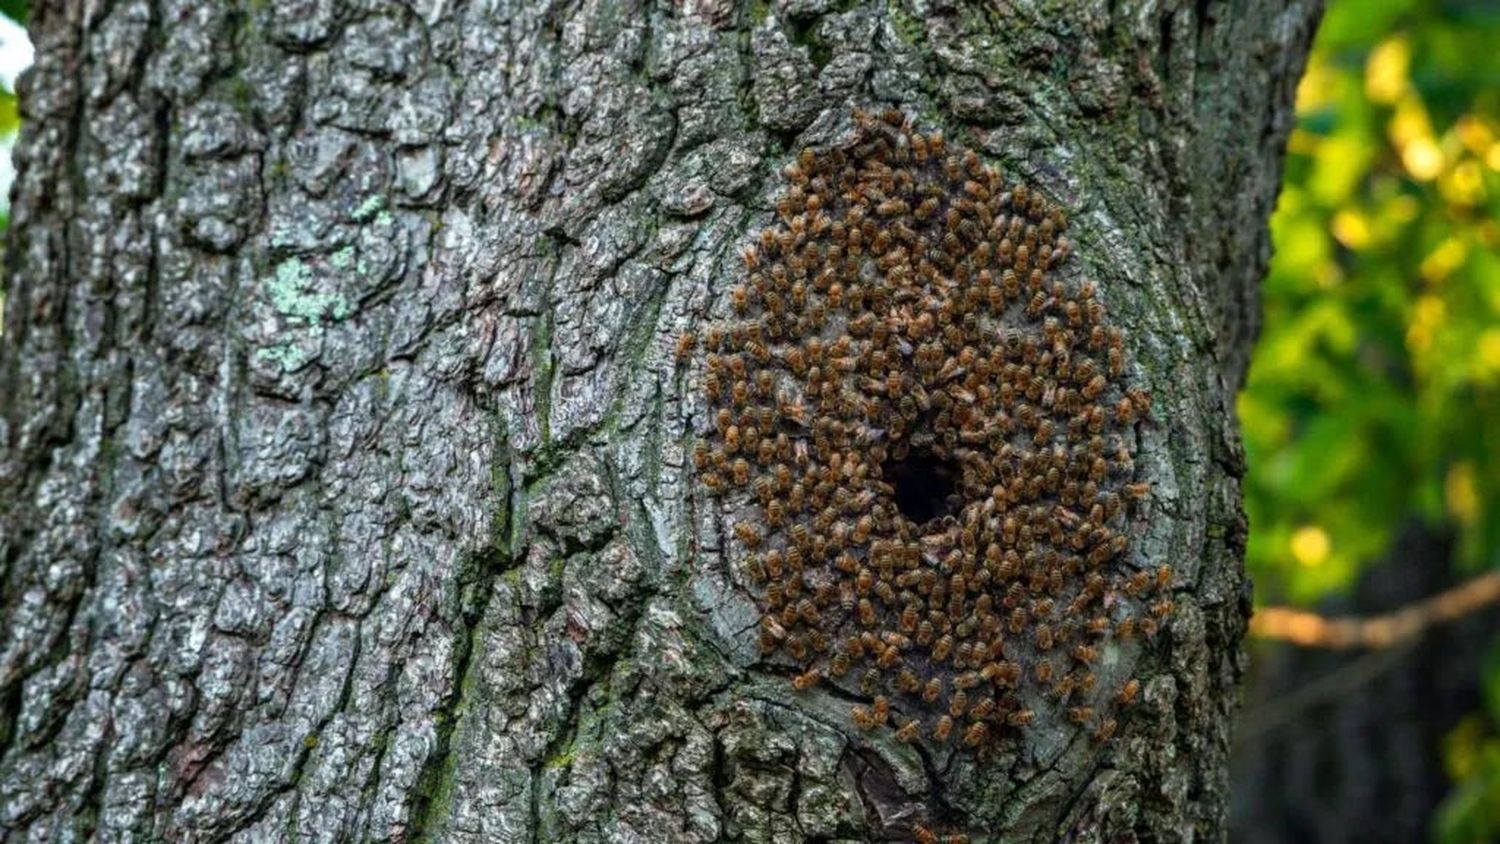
{"x": 925, "y": 485}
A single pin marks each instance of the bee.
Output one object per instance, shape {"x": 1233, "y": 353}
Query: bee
{"x": 867, "y": 616}
{"x": 942, "y": 648}
{"x": 1043, "y": 672}
{"x": 1125, "y": 629}
{"x": 808, "y": 610}
{"x": 880, "y": 709}
{"x": 862, "y": 717}
{"x": 1043, "y": 637}
{"x": 807, "y": 679}
{"x": 775, "y": 512}
{"x": 741, "y": 472}
{"x": 910, "y": 731}
{"x": 958, "y": 704}
{"x": 1163, "y": 577}
{"x": 1080, "y": 714}
{"x": 1017, "y": 620}
{"x": 976, "y": 734}
{"x": 1129, "y": 692}
{"x": 943, "y": 728}
{"x": 1105, "y": 731}
{"x": 923, "y": 835}
{"x": 1085, "y": 654}
{"x": 1020, "y": 717}
{"x": 748, "y": 534}
{"x": 982, "y": 709}
{"x": 1162, "y": 608}
{"x": 1137, "y": 583}
{"x": 740, "y": 298}
{"x": 774, "y": 564}
{"x": 933, "y": 690}
{"x": 1038, "y": 301}
{"x": 839, "y": 665}
{"x": 775, "y": 594}
{"x": 909, "y": 618}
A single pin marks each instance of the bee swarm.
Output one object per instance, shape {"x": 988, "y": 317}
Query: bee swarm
{"x": 937, "y": 436}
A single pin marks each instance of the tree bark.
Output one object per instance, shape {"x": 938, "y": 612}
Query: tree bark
{"x": 343, "y": 477}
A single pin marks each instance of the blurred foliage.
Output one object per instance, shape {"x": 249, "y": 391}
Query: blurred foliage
{"x": 1374, "y": 392}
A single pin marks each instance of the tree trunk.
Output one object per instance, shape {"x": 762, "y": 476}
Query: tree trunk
{"x": 344, "y": 477}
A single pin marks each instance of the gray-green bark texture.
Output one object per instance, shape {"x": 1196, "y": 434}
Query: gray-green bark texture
{"x": 343, "y": 477}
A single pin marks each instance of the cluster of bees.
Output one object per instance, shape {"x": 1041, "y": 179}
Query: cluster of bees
{"x": 930, "y": 438}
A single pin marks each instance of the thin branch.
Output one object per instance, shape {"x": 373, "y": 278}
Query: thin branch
{"x": 1382, "y": 631}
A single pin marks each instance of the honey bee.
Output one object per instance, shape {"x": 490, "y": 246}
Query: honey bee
{"x": 807, "y": 679}
{"x": 910, "y": 732}
{"x": 1080, "y": 714}
{"x": 775, "y": 594}
{"x": 923, "y": 835}
{"x": 1129, "y": 692}
{"x": 933, "y": 690}
{"x": 880, "y": 709}
{"x": 808, "y": 610}
{"x": 1020, "y": 717}
{"x": 1017, "y": 620}
{"x": 889, "y": 658}
{"x": 1085, "y": 654}
{"x": 982, "y": 709}
{"x": 976, "y": 734}
{"x": 862, "y": 717}
{"x": 839, "y": 665}
{"x": 1043, "y": 672}
{"x": 1043, "y": 637}
{"x": 909, "y": 618}
{"x": 1105, "y": 731}
{"x": 958, "y": 704}
{"x": 943, "y": 728}
{"x": 747, "y": 534}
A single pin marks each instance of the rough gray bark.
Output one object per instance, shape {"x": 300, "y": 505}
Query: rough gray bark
{"x": 342, "y": 479}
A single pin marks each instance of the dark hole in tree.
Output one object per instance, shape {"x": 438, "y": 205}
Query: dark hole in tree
{"x": 925, "y": 484}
